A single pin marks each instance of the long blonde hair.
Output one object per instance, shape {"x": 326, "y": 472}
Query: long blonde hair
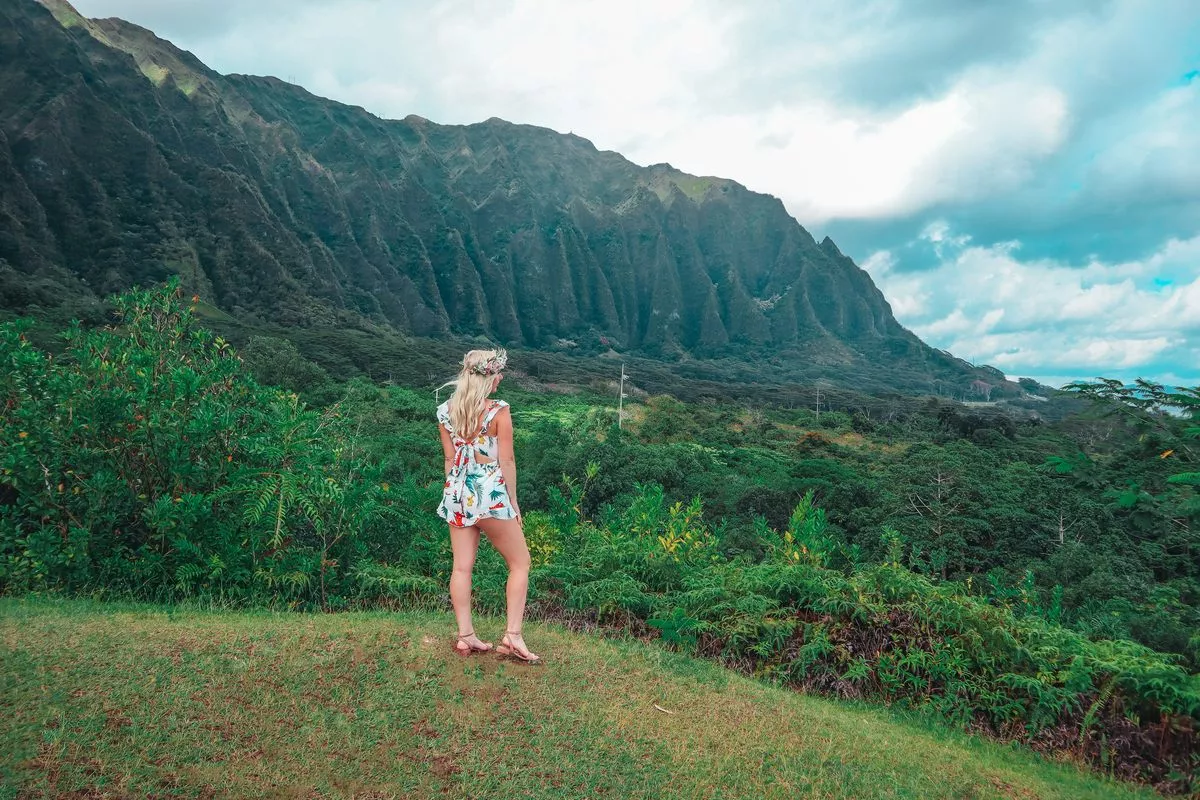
{"x": 474, "y": 383}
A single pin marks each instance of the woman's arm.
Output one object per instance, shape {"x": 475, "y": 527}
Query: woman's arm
{"x": 447, "y": 450}
{"x": 508, "y": 461}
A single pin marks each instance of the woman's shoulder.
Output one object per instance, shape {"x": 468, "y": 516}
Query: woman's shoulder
{"x": 493, "y": 409}
{"x": 443, "y": 411}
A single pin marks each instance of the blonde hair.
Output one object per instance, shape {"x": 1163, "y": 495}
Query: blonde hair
{"x": 474, "y": 383}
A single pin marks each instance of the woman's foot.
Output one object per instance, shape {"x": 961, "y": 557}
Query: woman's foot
{"x": 469, "y": 643}
{"x": 511, "y": 644}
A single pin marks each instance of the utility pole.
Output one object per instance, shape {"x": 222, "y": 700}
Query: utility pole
{"x": 818, "y": 402}
{"x": 621, "y": 400}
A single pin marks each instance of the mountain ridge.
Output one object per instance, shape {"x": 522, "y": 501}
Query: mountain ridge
{"x": 280, "y": 205}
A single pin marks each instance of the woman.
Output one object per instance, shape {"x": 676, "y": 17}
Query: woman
{"x": 481, "y": 494}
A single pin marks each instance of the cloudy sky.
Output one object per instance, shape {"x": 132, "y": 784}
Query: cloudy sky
{"x": 1020, "y": 177}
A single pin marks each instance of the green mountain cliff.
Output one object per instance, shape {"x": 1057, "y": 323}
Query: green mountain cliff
{"x": 125, "y": 160}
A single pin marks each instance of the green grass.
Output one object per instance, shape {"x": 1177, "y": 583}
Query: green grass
{"x": 135, "y": 701}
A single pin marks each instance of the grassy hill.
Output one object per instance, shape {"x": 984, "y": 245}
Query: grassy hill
{"x": 138, "y": 701}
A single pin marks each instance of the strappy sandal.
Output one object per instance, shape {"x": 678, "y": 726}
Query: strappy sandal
{"x": 506, "y": 649}
{"x": 462, "y": 637}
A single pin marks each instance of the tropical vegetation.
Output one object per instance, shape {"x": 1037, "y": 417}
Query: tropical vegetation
{"x": 1033, "y": 581}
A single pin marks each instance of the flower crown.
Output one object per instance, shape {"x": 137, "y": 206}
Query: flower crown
{"x": 492, "y": 366}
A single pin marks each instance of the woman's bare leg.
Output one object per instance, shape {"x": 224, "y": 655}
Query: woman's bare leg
{"x": 465, "y": 544}
{"x": 508, "y": 538}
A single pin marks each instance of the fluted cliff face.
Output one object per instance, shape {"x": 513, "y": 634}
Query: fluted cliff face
{"x": 123, "y": 160}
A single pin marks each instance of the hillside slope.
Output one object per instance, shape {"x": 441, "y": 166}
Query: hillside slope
{"x": 124, "y": 159}
{"x": 134, "y": 701}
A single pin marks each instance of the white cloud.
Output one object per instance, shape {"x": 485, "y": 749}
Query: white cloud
{"x": 834, "y": 162}
{"x": 1100, "y": 300}
{"x": 1041, "y": 317}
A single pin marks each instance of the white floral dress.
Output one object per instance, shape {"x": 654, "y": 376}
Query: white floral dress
{"x": 474, "y": 490}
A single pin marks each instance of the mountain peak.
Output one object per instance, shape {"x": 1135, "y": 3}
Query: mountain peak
{"x": 159, "y": 60}
{"x": 64, "y": 12}
{"x": 831, "y": 248}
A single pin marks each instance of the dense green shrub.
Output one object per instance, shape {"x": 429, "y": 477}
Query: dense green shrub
{"x": 143, "y": 460}
{"x": 884, "y": 632}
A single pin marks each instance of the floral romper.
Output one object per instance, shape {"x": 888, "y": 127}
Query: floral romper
{"x": 474, "y": 491}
